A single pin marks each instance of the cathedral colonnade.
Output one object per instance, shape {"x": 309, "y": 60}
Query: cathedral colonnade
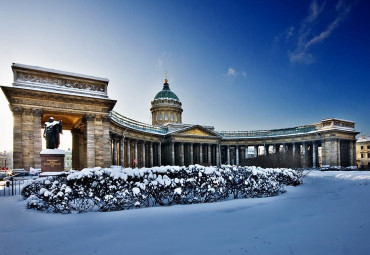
{"x": 131, "y": 152}
{"x": 306, "y": 154}
{"x": 103, "y": 137}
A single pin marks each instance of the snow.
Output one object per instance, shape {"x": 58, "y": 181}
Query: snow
{"x": 53, "y": 151}
{"x": 328, "y": 214}
{"x": 43, "y": 69}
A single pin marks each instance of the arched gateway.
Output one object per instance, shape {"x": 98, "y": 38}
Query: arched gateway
{"x": 102, "y": 137}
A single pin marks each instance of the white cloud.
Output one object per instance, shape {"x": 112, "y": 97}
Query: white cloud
{"x": 301, "y": 57}
{"x": 305, "y": 38}
{"x": 231, "y": 72}
{"x": 160, "y": 62}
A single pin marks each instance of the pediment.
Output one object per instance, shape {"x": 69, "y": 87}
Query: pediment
{"x": 197, "y": 131}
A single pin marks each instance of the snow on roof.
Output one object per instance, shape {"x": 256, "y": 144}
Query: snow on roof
{"x": 43, "y": 69}
{"x": 65, "y": 91}
{"x": 337, "y": 119}
{"x": 363, "y": 139}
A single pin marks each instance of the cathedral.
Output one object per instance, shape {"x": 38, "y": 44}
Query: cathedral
{"x": 104, "y": 137}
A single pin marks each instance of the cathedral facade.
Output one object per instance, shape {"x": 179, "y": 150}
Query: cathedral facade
{"x": 103, "y": 137}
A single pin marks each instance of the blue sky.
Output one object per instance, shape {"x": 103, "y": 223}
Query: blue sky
{"x": 236, "y": 65}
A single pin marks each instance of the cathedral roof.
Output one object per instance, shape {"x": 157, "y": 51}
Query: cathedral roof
{"x": 166, "y": 92}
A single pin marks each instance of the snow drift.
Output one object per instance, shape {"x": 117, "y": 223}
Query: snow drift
{"x": 116, "y": 188}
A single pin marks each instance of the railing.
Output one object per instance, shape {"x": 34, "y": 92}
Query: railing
{"x": 120, "y": 119}
{"x": 11, "y": 188}
{"x": 268, "y": 133}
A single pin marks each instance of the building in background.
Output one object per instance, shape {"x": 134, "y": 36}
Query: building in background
{"x": 6, "y": 159}
{"x": 363, "y": 152}
{"x": 68, "y": 159}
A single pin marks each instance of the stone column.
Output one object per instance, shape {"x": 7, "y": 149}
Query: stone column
{"x": 304, "y": 154}
{"x": 99, "y": 141}
{"x": 182, "y": 156}
{"x": 228, "y": 154}
{"x": 265, "y": 149}
{"x": 129, "y": 160}
{"x": 339, "y": 162}
{"x": 323, "y": 153}
{"x": 114, "y": 140}
{"x": 200, "y": 154}
{"x": 256, "y": 151}
{"x": 17, "y": 137}
{"x": 314, "y": 154}
{"x": 159, "y": 154}
{"x": 27, "y": 135}
{"x": 191, "y": 154}
{"x": 122, "y": 151}
{"x": 218, "y": 155}
{"x": 90, "y": 140}
{"x": 352, "y": 153}
{"x": 37, "y": 141}
{"x": 143, "y": 147}
{"x": 237, "y": 154}
{"x": 151, "y": 154}
{"x": 294, "y": 145}
{"x": 209, "y": 154}
{"x": 136, "y": 154}
{"x": 172, "y": 144}
{"x": 106, "y": 145}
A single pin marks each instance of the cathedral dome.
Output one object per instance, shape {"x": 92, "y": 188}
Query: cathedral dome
{"x": 166, "y": 107}
{"x": 166, "y": 93}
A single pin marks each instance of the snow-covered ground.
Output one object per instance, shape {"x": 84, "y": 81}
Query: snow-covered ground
{"x": 328, "y": 214}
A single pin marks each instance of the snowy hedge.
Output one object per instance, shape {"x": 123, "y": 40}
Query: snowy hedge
{"x": 116, "y": 188}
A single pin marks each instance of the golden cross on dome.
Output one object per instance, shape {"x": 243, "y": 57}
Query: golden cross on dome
{"x": 165, "y": 76}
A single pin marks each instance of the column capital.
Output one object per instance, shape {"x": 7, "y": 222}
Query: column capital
{"x": 37, "y": 112}
{"x": 17, "y": 110}
{"x": 105, "y": 118}
{"x": 90, "y": 116}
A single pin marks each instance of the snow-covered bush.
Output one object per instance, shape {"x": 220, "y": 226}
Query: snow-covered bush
{"x": 111, "y": 189}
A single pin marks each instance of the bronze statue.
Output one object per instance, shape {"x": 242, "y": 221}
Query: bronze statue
{"x": 52, "y": 131}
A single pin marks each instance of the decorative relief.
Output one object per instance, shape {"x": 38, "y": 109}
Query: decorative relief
{"x": 196, "y": 131}
{"x": 105, "y": 118}
{"x": 90, "y": 116}
{"x": 37, "y": 112}
{"x": 24, "y": 77}
{"x": 17, "y": 110}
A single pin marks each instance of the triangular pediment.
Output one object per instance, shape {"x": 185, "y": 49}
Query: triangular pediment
{"x": 197, "y": 131}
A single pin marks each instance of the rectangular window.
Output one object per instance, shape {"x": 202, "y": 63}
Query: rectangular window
{"x": 362, "y": 147}
{"x": 368, "y": 155}
{"x": 362, "y": 155}
{"x": 368, "y": 147}
{"x": 171, "y": 116}
{"x": 165, "y": 116}
{"x": 160, "y": 116}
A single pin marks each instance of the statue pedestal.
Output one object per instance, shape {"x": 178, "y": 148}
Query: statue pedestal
{"x": 52, "y": 160}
